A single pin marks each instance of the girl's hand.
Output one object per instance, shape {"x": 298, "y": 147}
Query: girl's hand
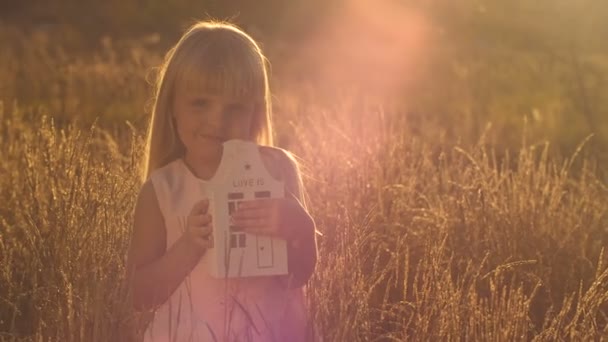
{"x": 276, "y": 217}
{"x": 198, "y": 232}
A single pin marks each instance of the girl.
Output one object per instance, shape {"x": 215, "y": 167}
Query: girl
{"x": 213, "y": 87}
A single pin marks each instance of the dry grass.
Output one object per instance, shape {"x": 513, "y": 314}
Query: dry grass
{"x": 424, "y": 238}
{"x": 429, "y": 241}
{"x": 67, "y": 197}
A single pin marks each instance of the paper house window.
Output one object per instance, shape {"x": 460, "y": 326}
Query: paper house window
{"x": 237, "y": 239}
{"x": 242, "y": 176}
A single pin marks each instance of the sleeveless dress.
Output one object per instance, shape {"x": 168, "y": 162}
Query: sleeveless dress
{"x": 204, "y": 308}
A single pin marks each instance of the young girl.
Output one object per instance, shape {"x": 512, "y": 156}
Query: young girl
{"x": 213, "y": 87}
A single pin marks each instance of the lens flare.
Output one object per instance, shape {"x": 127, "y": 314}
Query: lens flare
{"x": 377, "y": 46}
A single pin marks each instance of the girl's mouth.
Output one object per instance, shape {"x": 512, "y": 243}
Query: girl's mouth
{"x": 210, "y": 137}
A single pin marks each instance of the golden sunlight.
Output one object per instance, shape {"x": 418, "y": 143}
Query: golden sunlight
{"x": 374, "y": 45}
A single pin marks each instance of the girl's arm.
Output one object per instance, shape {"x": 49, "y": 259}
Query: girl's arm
{"x": 302, "y": 251}
{"x": 154, "y": 274}
{"x": 302, "y": 247}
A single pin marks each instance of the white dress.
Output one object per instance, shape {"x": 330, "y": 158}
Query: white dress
{"x": 204, "y": 308}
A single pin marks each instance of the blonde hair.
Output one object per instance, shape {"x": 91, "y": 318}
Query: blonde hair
{"x": 215, "y": 57}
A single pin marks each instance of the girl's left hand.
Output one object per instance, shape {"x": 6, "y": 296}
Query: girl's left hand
{"x": 276, "y": 217}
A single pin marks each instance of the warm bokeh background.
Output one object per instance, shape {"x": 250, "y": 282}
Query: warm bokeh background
{"x": 455, "y": 154}
{"x": 465, "y": 63}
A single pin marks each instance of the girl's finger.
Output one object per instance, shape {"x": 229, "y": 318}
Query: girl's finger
{"x": 205, "y": 243}
{"x": 249, "y": 223}
{"x": 210, "y": 242}
{"x": 204, "y": 231}
{"x": 200, "y": 207}
{"x": 251, "y": 213}
{"x": 254, "y": 204}
{"x": 199, "y": 220}
{"x": 206, "y": 235}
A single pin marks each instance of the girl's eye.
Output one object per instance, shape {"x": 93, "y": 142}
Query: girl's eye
{"x": 236, "y": 109}
{"x": 200, "y": 102}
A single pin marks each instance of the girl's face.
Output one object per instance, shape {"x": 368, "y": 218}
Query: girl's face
{"x": 204, "y": 121}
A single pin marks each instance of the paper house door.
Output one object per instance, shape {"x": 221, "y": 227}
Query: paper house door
{"x": 242, "y": 176}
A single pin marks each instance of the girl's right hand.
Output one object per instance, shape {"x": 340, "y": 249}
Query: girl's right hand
{"x": 198, "y": 233}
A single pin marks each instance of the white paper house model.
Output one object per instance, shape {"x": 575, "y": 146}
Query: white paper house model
{"x": 242, "y": 176}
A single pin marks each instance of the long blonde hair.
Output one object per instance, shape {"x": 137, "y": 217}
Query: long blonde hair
{"x": 213, "y": 56}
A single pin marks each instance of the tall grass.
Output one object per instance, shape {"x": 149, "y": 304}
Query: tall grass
{"x": 67, "y": 196}
{"x": 427, "y": 240}
{"x": 421, "y": 240}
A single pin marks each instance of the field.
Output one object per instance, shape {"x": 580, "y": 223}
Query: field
{"x": 434, "y": 227}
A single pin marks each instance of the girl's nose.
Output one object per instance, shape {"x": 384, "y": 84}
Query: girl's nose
{"x": 213, "y": 114}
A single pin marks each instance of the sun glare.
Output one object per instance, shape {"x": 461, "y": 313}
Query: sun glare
{"x": 377, "y": 45}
